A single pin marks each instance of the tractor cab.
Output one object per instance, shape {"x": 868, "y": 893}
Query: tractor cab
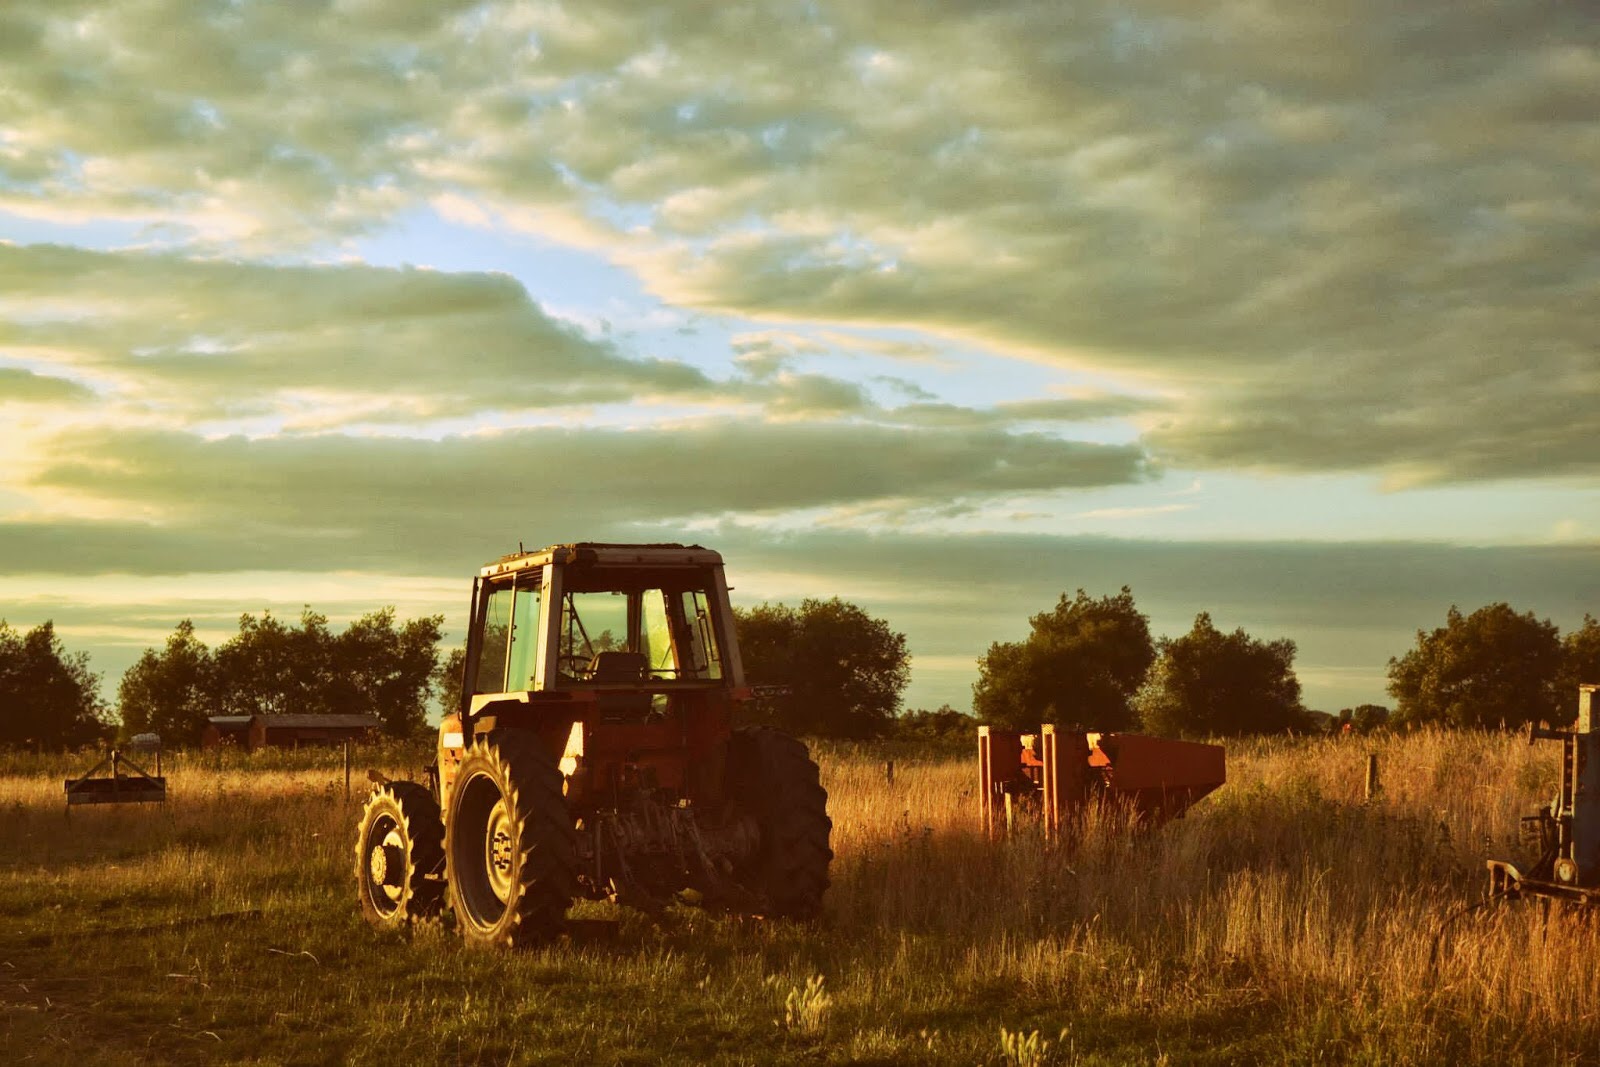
{"x": 608, "y": 653}
{"x": 634, "y": 623}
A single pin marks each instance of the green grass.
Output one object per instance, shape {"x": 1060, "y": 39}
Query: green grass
{"x": 1281, "y": 922}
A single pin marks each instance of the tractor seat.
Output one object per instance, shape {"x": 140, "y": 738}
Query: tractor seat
{"x": 618, "y": 667}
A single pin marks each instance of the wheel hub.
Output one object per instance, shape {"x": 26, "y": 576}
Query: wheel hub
{"x": 387, "y": 863}
{"x": 498, "y": 851}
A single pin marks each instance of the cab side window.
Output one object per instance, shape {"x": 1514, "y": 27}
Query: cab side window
{"x": 492, "y": 649}
{"x": 524, "y": 638}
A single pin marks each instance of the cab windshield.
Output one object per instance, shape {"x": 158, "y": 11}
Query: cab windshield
{"x": 654, "y": 632}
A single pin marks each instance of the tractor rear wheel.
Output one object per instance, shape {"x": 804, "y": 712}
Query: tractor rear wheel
{"x": 773, "y": 779}
{"x": 400, "y": 855}
{"x": 509, "y": 844}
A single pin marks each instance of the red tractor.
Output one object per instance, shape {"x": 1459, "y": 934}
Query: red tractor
{"x": 594, "y": 754}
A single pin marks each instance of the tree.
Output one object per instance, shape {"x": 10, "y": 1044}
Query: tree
{"x": 1364, "y": 718}
{"x": 843, "y": 668}
{"x": 1491, "y": 668}
{"x": 169, "y": 693}
{"x": 1209, "y": 682}
{"x": 447, "y": 679}
{"x": 1081, "y": 663}
{"x": 388, "y": 671}
{"x": 943, "y": 724}
{"x": 268, "y": 668}
{"x": 48, "y": 697}
{"x": 1580, "y": 660}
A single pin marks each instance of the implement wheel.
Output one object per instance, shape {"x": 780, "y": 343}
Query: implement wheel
{"x": 400, "y": 855}
{"x": 772, "y": 778}
{"x": 510, "y": 847}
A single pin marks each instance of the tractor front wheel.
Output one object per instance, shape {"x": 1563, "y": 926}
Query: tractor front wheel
{"x": 509, "y": 847}
{"x": 772, "y": 779}
{"x": 400, "y": 855}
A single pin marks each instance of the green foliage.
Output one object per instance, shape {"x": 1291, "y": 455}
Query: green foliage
{"x": 945, "y": 724}
{"x": 844, "y": 670}
{"x": 1361, "y": 719}
{"x": 379, "y": 668}
{"x": 268, "y": 668}
{"x": 1491, "y": 668}
{"x": 168, "y": 693}
{"x": 1209, "y": 682}
{"x": 1580, "y": 656}
{"x": 447, "y": 679}
{"x": 48, "y": 697}
{"x": 1081, "y": 663}
{"x": 374, "y": 667}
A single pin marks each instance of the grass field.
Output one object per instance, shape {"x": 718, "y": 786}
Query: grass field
{"x": 1283, "y": 921}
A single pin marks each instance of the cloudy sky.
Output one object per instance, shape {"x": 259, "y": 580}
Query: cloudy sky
{"x": 1276, "y": 310}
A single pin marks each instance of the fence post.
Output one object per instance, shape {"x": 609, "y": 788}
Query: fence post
{"x": 1373, "y": 785}
{"x": 347, "y": 768}
{"x": 888, "y": 772}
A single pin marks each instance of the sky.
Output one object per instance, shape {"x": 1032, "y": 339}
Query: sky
{"x": 1278, "y": 311}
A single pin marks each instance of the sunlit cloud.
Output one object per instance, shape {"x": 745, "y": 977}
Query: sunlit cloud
{"x": 1133, "y": 513}
{"x": 1211, "y": 199}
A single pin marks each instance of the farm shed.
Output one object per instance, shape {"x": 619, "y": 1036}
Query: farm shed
{"x": 287, "y": 731}
{"x": 226, "y": 730}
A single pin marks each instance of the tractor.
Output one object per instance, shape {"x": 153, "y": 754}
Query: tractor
{"x": 595, "y": 754}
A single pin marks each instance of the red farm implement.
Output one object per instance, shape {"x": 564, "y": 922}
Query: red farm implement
{"x": 1057, "y": 773}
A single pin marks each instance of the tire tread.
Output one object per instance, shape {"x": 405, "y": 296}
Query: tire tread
{"x": 792, "y": 807}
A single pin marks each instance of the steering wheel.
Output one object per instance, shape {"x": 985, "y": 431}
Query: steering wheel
{"x": 573, "y": 664}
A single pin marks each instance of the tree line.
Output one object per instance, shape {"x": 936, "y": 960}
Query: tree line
{"x": 379, "y": 666}
{"x": 1092, "y": 661}
{"x": 376, "y": 666}
{"x": 826, "y": 668}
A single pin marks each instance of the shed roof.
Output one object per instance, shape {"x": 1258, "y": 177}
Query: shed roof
{"x": 228, "y": 720}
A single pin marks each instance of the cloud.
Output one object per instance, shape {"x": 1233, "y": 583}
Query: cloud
{"x": 1348, "y": 238}
{"x": 817, "y": 394}
{"x": 21, "y": 386}
{"x": 308, "y": 358}
{"x": 1086, "y": 407}
{"x": 212, "y": 338}
{"x": 319, "y": 347}
{"x": 343, "y": 501}
{"x": 1134, "y": 513}
{"x": 763, "y": 354}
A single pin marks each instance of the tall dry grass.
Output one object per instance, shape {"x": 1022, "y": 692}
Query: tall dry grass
{"x": 1283, "y": 920}
{"x": 1284, "y": 892}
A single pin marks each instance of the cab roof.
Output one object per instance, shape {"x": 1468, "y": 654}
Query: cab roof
{"x": 601, "y": 554}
